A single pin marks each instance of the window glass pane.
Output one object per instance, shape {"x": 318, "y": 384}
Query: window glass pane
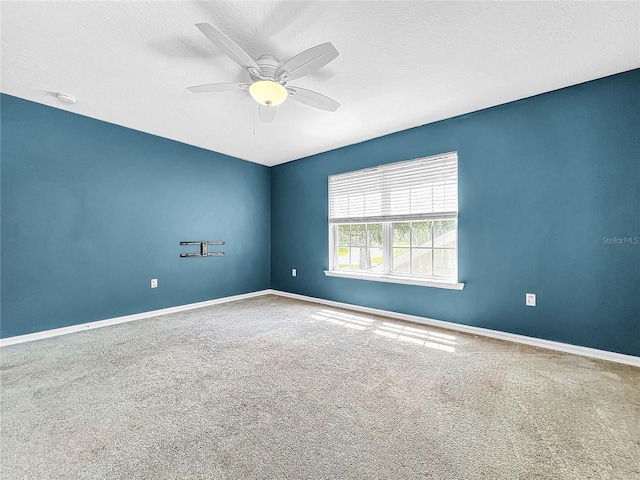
{"x": 421, "y": 234}
{"x": 402, "y": 234}
{"x": 343, "y": 234}
{"x": 375, "y": 254}
{"x": 375, "y": 234}
{"x": 359, "y": 234}
{"x": 361, "y": 258}
{"x": 401, "y": 260}
{"x": 421, "y": 263}
{"x": 343, "y": 257}
{"x": 445, "y": 233}
{"x": 444, "y": 262}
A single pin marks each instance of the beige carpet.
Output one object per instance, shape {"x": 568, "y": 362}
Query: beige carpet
{"x": 278, "y": 388}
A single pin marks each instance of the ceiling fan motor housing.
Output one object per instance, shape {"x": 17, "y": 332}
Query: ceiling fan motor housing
{"x": 269, "y": 65}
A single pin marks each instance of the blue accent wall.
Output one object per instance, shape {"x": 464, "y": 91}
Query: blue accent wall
{"x": 92, "y": 211}
{"x": 549, "y": 203}
{"x": 545, "y": 183}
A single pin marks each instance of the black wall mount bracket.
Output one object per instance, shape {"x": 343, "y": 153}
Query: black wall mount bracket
{"x": 204, "y": 249}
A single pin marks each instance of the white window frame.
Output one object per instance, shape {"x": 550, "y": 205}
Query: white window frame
{"x": 387, "y": 244}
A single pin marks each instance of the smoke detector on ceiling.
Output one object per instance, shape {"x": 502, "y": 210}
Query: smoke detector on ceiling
{"x": 64, "y": 98}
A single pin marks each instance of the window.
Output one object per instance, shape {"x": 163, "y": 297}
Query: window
{"x": 396, "y": 222}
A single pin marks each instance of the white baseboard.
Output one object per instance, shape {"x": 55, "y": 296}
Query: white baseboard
{"x": 485, "y": 332}
{"x": 5, "y": 342}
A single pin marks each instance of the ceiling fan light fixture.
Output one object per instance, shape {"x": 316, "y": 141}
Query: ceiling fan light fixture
{"x": 268, "y": 93}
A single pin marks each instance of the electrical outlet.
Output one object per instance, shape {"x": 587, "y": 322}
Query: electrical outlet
{"x": 530, "y": 299}
{"x": 154, "y": 283}
{"x": 294, "y": 272}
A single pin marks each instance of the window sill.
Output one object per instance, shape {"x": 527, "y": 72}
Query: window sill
{"x": 423, "y": 282}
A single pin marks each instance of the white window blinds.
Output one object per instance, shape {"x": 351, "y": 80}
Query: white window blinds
{"x": 412, "y": 190}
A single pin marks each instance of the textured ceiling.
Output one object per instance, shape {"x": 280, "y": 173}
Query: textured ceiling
{"x": 401, "y": 64}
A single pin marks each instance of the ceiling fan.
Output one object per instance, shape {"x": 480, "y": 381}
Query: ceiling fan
{"x": 269, "y": 77}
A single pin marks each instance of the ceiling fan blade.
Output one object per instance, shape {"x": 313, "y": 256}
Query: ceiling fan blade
{"x": 228, "y": 46}
{"x": 313, "y": 99}
{"x": 266, "y": 114}
{"x": 308, "y": 61}
{"x": 218, "y": 87}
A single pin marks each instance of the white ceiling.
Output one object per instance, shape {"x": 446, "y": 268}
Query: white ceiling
{"x": 401, "y": 64}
